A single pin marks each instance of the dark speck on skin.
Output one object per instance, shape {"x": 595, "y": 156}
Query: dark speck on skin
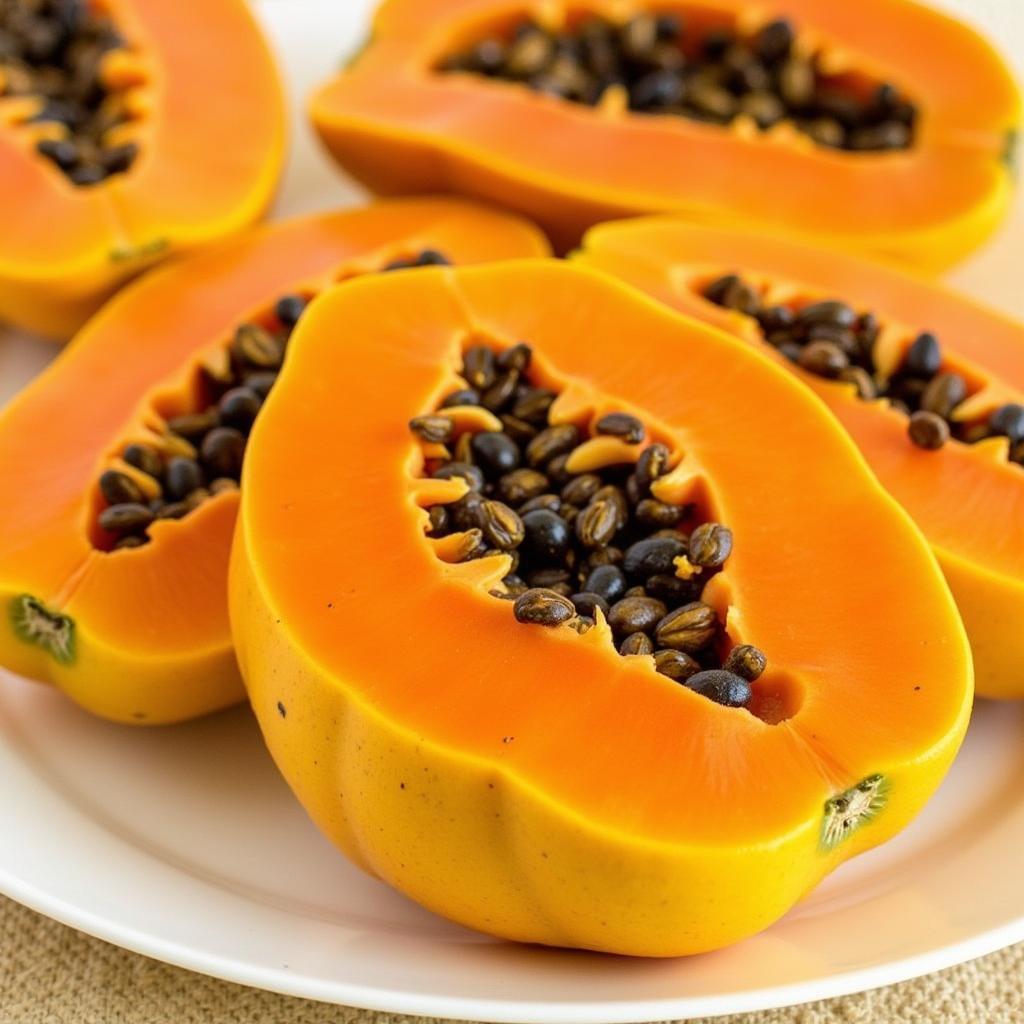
{"x": 281, "y": 710}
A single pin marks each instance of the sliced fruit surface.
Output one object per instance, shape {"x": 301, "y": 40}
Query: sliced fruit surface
{"x": 126, "y": 136}
{"x": 123, "y": 457}
{"x": 814, "y": 118}
{"x": 762, "y": 674}
{"x": 928, "y": 383}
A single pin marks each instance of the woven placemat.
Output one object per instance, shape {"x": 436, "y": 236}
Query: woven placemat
{"x": 50, "y": 974}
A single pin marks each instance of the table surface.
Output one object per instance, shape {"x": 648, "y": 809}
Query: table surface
{"x": 49, "y": 972}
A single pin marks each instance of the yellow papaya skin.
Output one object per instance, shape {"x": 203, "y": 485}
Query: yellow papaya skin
{"x": 992, "y": 607}
{"x": 414, "y": 814}
{"x": 127, "y": 688}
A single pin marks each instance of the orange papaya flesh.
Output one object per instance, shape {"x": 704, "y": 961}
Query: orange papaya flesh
{"x": 401, "y": 123}
{"x": 967, "y": 498}
{"x": 194, "y": 126}
{"x": 141, "y": 634}
{"x": 531, "y": 782}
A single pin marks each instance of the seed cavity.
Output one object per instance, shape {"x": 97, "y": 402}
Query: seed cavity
{"x": 832, "y": 340}
{"x": 202, "y": 449}
{"x": 847, "y": 812}
{"x": 655, "y": 64}
{"x": 54, "y": 52}
{"x": 583, "y": 546}
{"x": 35, "y": 623}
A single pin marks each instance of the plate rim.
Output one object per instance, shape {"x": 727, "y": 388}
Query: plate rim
{"x": 494, "y": 1011}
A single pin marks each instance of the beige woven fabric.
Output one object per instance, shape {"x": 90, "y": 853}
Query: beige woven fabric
{"x": 50, "y": 974}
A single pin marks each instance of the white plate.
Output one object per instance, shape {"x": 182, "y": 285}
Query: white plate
{"x": 184, "y": 844}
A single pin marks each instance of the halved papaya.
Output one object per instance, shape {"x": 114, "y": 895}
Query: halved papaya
{"x": 828, "y": 124}
{"x": 122, "y": 459}
{"x": 967, "y": 496}
{"x": 126, "y": 135}
{"x": 400, "y": 572}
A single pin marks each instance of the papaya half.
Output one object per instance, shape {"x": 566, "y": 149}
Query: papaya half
{"x": 128, "y": 132}
{"x": 762, "y": 674}
{"x": 883, "y": 126}
{"x": 121, "y": 460}
{"x": 916, "y": 365}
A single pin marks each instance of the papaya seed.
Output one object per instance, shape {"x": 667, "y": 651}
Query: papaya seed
{"x": 119, "y": 488}
{"x": 722, "y": 687}
{"x": 927, "y": 430}
{"x": 542, "y": 607}
{"x": 746, "y": 661}
{"x": 621, "y": 424}
{"x": 636, "y": 643}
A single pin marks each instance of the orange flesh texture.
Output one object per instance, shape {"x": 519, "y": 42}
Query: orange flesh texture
{"x": 211, "y": 139}
{"x": 938, "y": 198}
{"x": 967, "y": 499}
{"x": 871, "y": 665}
{"x": 168, "y": 598}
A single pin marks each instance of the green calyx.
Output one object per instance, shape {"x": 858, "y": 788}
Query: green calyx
{"x": 1010, "y": 154}
{"x": 135, "y": 253}
{"x": 42, "y": 627}
{"x": 851, "y": 809}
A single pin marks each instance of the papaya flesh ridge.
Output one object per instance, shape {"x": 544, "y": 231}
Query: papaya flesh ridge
{"x": 65, "y": 248}
{"x": 968, "y": 499}
{"x": 531, "y": 782}
{"x": 142, "y": 635}
{"x": 400, "y": 125}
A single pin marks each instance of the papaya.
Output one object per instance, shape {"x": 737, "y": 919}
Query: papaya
{"x": 824, "y": 123}
{"x": 584, "y": 624}
{"x": 122, "y": 458}
{"x": 929, "y": 384}
{"x": 126, "y": 136}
